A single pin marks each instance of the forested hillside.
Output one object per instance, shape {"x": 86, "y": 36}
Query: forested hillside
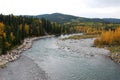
{"x": 64, "y": 18}
{"x": 14, "y": 29}
{"x": 57, "y": 17}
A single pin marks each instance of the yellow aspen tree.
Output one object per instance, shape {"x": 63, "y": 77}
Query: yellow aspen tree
{"x": 12, "y": 36}
{"x": 27, "y": 28}
{"x": 1, "y": 29}
{"x": 20, "y": 26}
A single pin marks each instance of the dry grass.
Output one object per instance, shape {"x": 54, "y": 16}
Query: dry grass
{"x": 76, "y": 37}
{"x": 114, "y": 49}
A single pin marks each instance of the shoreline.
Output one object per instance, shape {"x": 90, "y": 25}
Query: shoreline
{"x": 82, "y": 46}
{"x": 113, "y": 56}
{"x": 14, "y": 54}
{"x": 23, "y": 68}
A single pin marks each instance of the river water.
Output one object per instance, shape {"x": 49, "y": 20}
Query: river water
{"x": 60, "y": 64}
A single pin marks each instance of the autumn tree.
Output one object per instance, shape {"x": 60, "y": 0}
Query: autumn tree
{"x": 2, "y": 38}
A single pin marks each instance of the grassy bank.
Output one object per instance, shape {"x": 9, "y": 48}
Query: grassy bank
{"x": 85, "y": 36}
{"x": 115, "y": 53}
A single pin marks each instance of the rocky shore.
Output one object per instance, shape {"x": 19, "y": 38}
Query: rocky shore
{"x": 82, "y": 47}
{"x": 115, "y": 57}
{"x": 16, "y": 53}
{"x": 23, "y": 68}
{"x": 86, "y": 46}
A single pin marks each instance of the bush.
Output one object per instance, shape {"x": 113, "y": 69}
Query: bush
{"x": 109, "y": 38}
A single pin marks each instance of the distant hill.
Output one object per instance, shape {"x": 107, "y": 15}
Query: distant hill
{"x": 58, "y": 17}
{"x": 111, "y": 20}
{"x": 63, "y": 18}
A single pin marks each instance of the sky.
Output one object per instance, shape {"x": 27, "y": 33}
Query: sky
{"x": 82, "y": 8}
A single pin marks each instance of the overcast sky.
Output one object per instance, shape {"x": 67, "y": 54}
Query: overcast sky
{"x": 83, "y": 8}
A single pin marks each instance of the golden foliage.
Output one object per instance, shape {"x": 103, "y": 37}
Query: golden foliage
{"x": 7, "y": 44}
{"x": 109, "y": 37}
{"x": 4, "y": 34}
{"x": 21, "y": 26}
{"x": 1, "y": 29}
{"x": 26, "y": 28}
{"x": 12, "y": 36}
{"x": 88, "y": 30}
{"x": 117, "y": 35}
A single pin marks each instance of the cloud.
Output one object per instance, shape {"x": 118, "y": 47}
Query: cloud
{"x": 83, "y": 8}
{"x": 102, "y": 3}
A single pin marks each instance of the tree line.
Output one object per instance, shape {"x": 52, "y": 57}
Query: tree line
{"x": 14, "y": 29}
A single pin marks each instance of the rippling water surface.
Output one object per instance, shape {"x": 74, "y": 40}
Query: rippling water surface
{"x": 62, "y": 65}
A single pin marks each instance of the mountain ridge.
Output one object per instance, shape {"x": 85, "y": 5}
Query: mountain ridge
{"x": 63, "y": 18}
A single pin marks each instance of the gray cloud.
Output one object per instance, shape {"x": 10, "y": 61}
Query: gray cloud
{"x": 103, "y": 3}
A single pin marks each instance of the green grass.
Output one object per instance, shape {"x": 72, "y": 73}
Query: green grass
{"x": 76, "y": 37}
{"x": 114, "y": 49}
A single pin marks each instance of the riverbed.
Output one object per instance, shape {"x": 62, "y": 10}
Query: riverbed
{"x": 69, "y": 60}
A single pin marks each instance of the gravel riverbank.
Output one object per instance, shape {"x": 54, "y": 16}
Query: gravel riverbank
{"x": 22, "y": 69}
{"x": 82, "y": 47}
{"x": 15, "y": 53}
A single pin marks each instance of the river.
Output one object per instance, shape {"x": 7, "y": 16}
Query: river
{"x": 60, "y": 63}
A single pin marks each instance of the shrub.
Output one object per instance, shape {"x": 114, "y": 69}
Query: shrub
{"x": 109, "y": 38}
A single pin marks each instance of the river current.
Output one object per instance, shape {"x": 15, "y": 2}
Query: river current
{"x": 60, "y": 64}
